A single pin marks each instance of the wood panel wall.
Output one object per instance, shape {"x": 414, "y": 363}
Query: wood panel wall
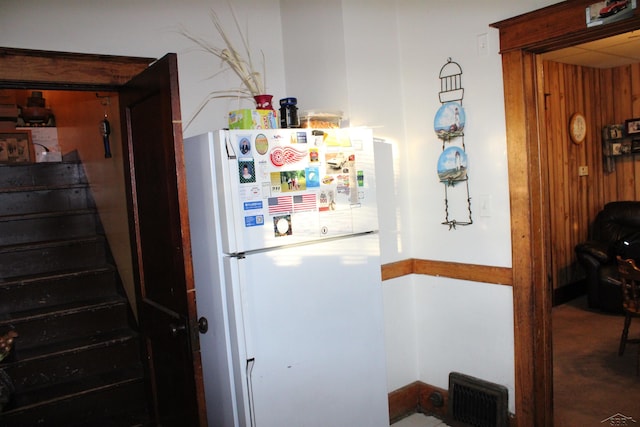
{"x": 604, "y": 96}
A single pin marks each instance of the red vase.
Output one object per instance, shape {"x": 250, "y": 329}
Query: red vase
{"x": 263, "y": 102}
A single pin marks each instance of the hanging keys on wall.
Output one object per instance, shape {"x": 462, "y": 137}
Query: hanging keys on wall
{"x": 105, "y": 126}
{"x": 105, "y": 130}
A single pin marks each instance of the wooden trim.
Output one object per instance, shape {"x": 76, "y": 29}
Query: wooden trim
{"x": 397, "y": 269}
{"x": 472, "y": 272}
{"x": 60, "y": 70}
{"x": 526, "y": 239}
{"x": 559, "y": 25}
{"x": 414, "y": 398}
{"x": 404, "y": 401}
{"x": 453, "y": 270}
{"x": 426, "y": 406}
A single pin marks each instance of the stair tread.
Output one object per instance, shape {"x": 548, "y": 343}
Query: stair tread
{"x": 50, "y": 243}
{"x": 71, "y": 389}
{"x": 46, "y": 214}
{"x": 31, "y": 188}
{"x": 64, "y": 161}
{"x": 75, "y": 359}
{"x": 62, "y": 309}
{"x": 104, "y": 339}
{"x": 61, "y": 274}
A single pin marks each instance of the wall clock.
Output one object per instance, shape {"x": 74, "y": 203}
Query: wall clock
{"x": 577, "y": 128}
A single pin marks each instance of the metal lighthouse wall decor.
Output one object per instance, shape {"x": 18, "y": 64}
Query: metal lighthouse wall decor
{"x": 449, "y": 126}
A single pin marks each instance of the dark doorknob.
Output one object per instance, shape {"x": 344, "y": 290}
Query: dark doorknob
{"x": 176, "y": 329}
{"x": 203, "y": 325}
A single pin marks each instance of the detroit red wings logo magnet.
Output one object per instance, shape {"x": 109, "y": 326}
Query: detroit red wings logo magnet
{"x": 281, "y": 156}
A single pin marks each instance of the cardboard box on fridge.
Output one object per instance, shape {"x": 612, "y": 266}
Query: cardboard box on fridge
{"x": 253, "y": 119}
{"x": 45, "y": 144}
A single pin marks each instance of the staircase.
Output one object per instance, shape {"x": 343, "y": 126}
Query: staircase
{"x": 77, "y": 359}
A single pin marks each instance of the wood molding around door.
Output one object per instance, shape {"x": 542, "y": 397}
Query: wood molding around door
{"x": 62, "y": 70}
{"x": 521, "y": 39}
{"x": 48, "y": 70}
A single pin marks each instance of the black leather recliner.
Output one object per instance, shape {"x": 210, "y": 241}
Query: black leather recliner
{"x": 616, "y": 221}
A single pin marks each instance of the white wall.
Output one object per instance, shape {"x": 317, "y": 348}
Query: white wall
{"x": 378, "y": 61}
{"x": 394, "y": 52}
{"x": 461, "y": 326}
{"x": 150, "y": 28}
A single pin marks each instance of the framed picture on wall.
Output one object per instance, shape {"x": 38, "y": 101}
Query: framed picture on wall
{"x": 616, "y": 149}
{"x": 632, "y": 126}
{"x": 626, "y": 147}
{"x": 613, "y": 131}
{"x": 16, "y": 147}
{"x": 608, "y": 11}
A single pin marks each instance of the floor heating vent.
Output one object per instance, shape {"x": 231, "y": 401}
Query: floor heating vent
{"x": 478, "y": 403}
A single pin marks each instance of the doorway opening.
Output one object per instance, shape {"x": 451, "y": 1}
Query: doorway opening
{"x": 593, "y": 79}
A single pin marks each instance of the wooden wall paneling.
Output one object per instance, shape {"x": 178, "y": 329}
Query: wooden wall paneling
{"x": 563, "y": 152}
{"x": 550, "y": 144}
{"x": 574, "y": 201}
{"x": 621, "y": 89}
{"x": 543, "y": 99}
{"x": 635, "y": 91}
{"x": 573, "y": 103}
{"x": 583, "y": 196}
{"x": 563, "y": 85}
{"x": 581, "y": 99}
{"x": 592, "y": 183}
{"x": 607, "y": 102}
{"x": 635, "y": 112}
{"x": 589, "y": 187}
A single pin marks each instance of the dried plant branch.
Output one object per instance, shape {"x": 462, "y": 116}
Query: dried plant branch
{"x": 241, "y": 65}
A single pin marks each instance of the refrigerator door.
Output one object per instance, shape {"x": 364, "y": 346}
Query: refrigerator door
{"x": 285, "y": 186}
{"x": 218, "y": 346}
{"x": 310, "y": 328}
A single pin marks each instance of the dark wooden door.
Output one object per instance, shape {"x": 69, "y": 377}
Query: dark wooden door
{"x": 152, "y": 134}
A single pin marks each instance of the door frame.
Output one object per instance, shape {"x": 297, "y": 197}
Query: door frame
{"x": 521, "y": 39}
{"x": 51, "y": 70}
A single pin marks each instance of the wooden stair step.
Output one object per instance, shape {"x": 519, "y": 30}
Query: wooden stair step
{"x": 116, "y": 399}
{"x": 77, "y": 359}
{"x": 38, "y": 291}
{"x": 51, "y": 256}
{"x": 41, "y": 174}
{"x": 16, "y": 201}
{"x": 49, "y": 325}
{"x": 44, "y": 226}
{"x": 46, "y": 366}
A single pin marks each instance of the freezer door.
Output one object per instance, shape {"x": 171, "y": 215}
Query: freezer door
{"x": 286, "y": 186}
{"x": 313, "y": 334}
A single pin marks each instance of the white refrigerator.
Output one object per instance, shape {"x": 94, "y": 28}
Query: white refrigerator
{"x": 287, "y": 272}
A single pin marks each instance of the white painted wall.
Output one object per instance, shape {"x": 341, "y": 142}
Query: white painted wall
{"x": 378, "y": 61}
{"x": 394, "y": 52}
{"x": 150, "y": 28}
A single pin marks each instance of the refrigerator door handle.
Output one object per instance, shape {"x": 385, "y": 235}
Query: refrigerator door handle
{"x": 252, "y": 415}
{"x": 231, "y": 154}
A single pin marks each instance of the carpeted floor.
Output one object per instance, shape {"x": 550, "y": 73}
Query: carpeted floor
{"x": 593, "y": 386}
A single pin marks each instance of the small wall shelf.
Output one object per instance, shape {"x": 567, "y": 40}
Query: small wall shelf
{"x": 616, "y": 144}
